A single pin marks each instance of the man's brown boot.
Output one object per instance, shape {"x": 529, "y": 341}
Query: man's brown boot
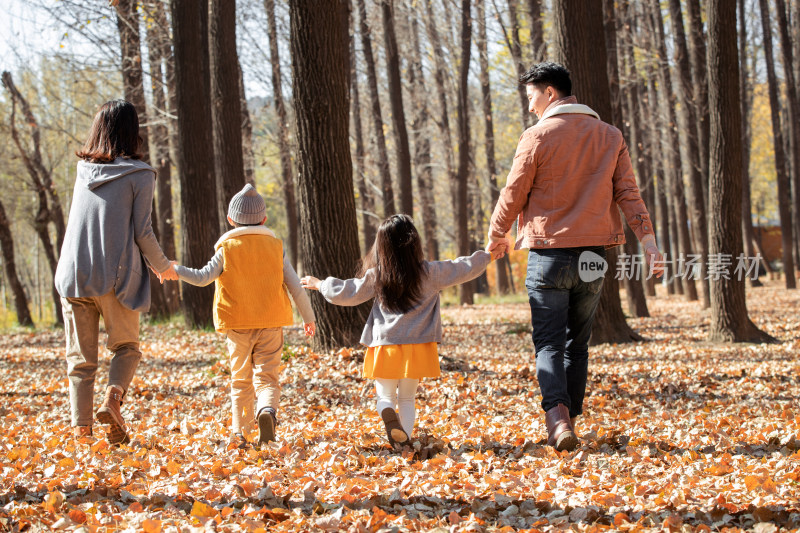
{"x": 560, "y": 433}
{"x": 81, "y": 431}
{"x": 109, "y": 413}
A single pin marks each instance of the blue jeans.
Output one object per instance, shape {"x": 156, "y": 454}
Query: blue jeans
{"x": 562, "y": 311}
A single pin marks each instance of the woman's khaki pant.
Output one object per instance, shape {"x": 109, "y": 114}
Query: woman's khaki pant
{"x": 82, "y": 328}
{"x": 255, "y": 356}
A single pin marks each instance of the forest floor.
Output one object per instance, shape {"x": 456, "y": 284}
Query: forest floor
{"x": 678, "y": 434}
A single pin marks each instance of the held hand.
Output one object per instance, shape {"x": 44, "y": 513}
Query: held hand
{"x": 169, "y": 274}
{"x": 310, "y": 329}
{"x": 310, "y": 283}
{"x": 655, "y": 260}
{"x": 498, "y": 247}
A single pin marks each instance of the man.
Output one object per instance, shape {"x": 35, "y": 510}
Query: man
{"x": 570, "y": 173}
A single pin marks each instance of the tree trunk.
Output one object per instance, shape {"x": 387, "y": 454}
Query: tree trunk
{"x": 49, "y": 206}
{"x": 634, "y": 290}
{"x": 729, "y": 320}
{"x": 441, "y": 89}
{"x": 691, "y": 145}
{"x": 377, "y": 118}
{"x": 422, "y": 146}
{"x": 195, "y": 151}
{"x": 329, "y": 241}
{"x": 461, "y": 212}
{"x": 515, "y": 49}
{"x": 7, "y": 243}
{"x": 744, "y": 101}
{"x": 537, "y": 31}
{"x": 248, "y": 155}
{"x": 287, "y": 173}
{"x": 580, "y": 45}
{"x": 794, "y": 117}
{"x": 157, "y": 38}
{"x": 671, "y": 149}
{"x": 501, "y": 270}
{"x": 226, "y": 104}
{"x": 398, "y": 113}
{"x": 780, "y": 155}
{"x": 697, "y": 51}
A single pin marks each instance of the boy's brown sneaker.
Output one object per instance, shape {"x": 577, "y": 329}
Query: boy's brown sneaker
{"x": 394, "y": 430}
{"x": 266, "y": 426}
{"x": 109, "y": 413}
{"x": 81, "y": 431}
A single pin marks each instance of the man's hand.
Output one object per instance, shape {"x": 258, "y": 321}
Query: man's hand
{"x": 310, "y": 283}
{"x": 310, "y": 329}
{"x": 654, "y": 258}
{"x": 498, "y": 247}
{"x": 169, "y": 274}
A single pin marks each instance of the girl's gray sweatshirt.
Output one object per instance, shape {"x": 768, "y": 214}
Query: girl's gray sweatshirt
{"x": 423, "y": 322}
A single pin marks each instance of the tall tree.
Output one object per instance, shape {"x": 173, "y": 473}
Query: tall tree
{"x": 422, "y": 145}
{"x": 133, "y": 88}
{"x": 580, "y": 45}
{"x": 226, "y": 104}
{"x": 377, "y": 117}
{"x": 537, "y": 31}
{"x": 794, "y": 116}
{"x": 158, "y": 49}
{"x": 461, "y": 211}
{"x": 41, "y": 181}
{"x": 287, "y": 173}
{"x": 329, "y": 242}
{"x": 503, "y": 265}
{"x": 398, "y": 113}
{"x": 195, "y": 150}
{"x": 634, "y": 290}
{"x": 515, "y": 48}
{"x": 7, "y": 244}
{"x": 780, "y": 155}
{"x": 697, "y": 51}
{"x": 670, "y": 147}
{"x": 729, "y": 320}
{"x": 690, "y": 142}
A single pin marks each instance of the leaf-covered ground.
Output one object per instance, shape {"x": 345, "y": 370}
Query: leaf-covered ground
{"x": 679, "y": 434}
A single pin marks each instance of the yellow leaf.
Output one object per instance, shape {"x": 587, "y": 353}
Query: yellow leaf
{"x": 67, "y": 462}
{"x": 151, "y": 526}
{"x": 201, "y": 510}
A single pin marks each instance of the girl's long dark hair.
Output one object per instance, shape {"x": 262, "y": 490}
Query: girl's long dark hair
{"x": 114, "y": 133}
{"x": 398, "y": 261}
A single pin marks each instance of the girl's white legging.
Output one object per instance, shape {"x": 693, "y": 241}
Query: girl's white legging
{"x": 398, "y": 394}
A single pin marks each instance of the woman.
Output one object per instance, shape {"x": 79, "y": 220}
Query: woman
{"x": 102, "y": 271}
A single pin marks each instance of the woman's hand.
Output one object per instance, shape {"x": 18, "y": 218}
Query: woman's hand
{"x": 310, "y": 283}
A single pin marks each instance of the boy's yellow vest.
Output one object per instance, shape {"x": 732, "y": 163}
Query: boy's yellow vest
{"x": 250, "y": 293}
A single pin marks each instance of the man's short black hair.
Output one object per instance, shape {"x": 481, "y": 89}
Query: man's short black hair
{"x": 548, "y": 73}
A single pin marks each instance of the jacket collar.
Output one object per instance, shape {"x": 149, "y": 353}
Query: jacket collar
{"x": 568, "y": 104}
{"x": 244, "y": 230}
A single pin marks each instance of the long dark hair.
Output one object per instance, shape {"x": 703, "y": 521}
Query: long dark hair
{"x": 114, "y": 133}
{"x": 398, "y": 261}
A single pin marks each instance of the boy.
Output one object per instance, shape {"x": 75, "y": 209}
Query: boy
{"x": 251, "y": 307}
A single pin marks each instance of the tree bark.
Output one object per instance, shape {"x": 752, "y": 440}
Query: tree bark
{"x": 157, "y": 38}
{"x": 697, "y": 51}
{"x": 284, "y": 148}
{"x": 49, "y": 205}
{"x": 195, "y": 151}
{"x": 226, "y": 104}
{"x": 780, "y": 155}
{"x": 377, "y": 118}
{"x": 670, "y": 147}
{"x": 7, "y": 243}
{"x": 537, "y": 31}
{"x": 501, "y": 270}
{"x": 248, "y": 156}
{"x": 403, "y": 150}
{"x": 580, "y": 45}
{"x": 329, "y": 242}
{"x": 462, "y": 209}
{"x": 422, "y": 146}
{"x": 691, "y": 145}
{"x": 729, "y": 320}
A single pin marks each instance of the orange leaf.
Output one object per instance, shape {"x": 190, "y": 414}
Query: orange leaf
{"x": 77, "y": 516}
{"x": 151, "y": 526}
{"x": 201, "y": 510}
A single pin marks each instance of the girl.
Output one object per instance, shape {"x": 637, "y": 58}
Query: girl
{"x": 404, "y": 326}
{"x": 101, "y": 271}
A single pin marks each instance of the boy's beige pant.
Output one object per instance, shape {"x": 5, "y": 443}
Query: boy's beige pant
{"x": 81, "y": 326}
{"x": 255, "y": 356}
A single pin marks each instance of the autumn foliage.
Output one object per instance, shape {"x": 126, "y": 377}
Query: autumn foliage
{"x": 679, "y": 435}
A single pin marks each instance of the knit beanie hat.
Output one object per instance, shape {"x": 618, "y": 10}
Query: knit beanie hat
{"x": 247, "y": 206}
